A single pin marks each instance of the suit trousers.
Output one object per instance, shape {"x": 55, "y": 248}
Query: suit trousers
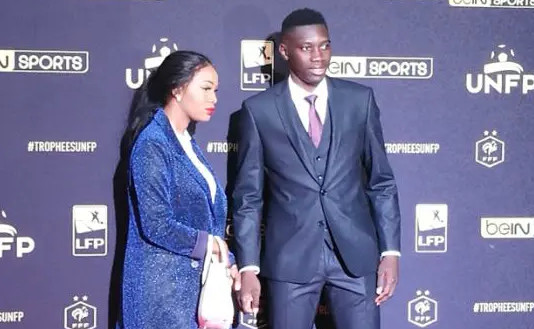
{"x": 350, "y": 299}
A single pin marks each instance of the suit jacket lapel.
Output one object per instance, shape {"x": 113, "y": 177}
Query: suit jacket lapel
{"x": 336, "y": 108}
{"x": 284, "y": 105}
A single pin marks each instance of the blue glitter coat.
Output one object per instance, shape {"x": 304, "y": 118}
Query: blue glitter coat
{"x": 161, "y": 282}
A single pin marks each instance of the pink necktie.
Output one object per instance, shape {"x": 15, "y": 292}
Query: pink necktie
{"x": 315, "y": 127}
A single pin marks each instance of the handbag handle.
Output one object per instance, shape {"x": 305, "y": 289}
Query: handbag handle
{"x": 209, "y": 258}
{"x": 223, "y": 253}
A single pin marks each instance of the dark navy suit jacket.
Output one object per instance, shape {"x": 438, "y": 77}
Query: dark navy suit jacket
{"x": 358, "y": 193}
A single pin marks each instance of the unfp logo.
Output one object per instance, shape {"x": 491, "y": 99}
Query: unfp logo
{"x": 44, "y": 61}
{"x": 431, "y": 228}
{"x": 257, "y": 64}
{"x": 489, "y": 151}
{"x": 10, "y": 241}
{"x": 80, "y": 315}
{"x": 160, "y": 50}
{"x": 422, "y": 310}
{"x": 89, "y": 230}
{"x": 502, "y": 74}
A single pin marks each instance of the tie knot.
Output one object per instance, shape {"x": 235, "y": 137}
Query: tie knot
{"x": 311, "y": 99}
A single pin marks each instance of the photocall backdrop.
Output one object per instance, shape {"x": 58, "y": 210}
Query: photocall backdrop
{"x": 454, "y": 81}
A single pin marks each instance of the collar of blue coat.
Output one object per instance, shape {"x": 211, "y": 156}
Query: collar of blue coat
{"x": 161, "y": 119}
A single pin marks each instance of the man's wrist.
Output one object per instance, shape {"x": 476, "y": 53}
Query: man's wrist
{"x": 250, "y": 268}
{"x": 390, "y": 253}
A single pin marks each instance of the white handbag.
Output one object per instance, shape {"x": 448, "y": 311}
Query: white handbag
{"x": 215, "y": 308}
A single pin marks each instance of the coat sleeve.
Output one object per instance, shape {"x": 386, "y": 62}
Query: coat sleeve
{"x": 381, "y": 186}
{"x": 248, "y": 192}
{"x": 157, "y": 222}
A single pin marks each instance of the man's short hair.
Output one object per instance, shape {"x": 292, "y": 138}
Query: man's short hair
{"x": 301, "y": 17}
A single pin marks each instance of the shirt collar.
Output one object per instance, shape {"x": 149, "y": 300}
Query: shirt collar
{"x": 299, "y": 93}
{"x": 183, "y": 137}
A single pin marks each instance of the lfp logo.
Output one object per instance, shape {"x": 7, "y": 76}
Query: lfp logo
{"x": 89, "y": 230}
{"x": 257, "y": 64}
{"x": 431, "y": 228}
{"x": 11, "y": 242}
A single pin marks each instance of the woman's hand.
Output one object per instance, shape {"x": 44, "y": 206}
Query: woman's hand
{"x": 236, "y": 278}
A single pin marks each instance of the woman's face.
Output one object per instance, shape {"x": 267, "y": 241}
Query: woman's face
{"x": 198, "y": 98}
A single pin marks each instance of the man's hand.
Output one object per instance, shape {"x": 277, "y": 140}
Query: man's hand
{"x": 388, "y": 276}
{"x": 248, "y": 296}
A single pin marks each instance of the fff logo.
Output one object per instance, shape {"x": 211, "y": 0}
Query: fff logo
{"x": 80, "y": 315}
{"x": 489, "y": 151}
{"x": 422, "y": 310}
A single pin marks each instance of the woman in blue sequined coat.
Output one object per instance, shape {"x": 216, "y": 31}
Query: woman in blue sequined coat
{"x": 175, "y": 201}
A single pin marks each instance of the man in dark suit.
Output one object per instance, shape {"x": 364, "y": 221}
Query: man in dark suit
{"x": 311, "y": 160}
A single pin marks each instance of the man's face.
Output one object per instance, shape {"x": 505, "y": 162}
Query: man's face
{"x": 307, "y": 50}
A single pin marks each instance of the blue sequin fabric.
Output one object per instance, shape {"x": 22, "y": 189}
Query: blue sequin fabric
{"x": 169, "y": 205}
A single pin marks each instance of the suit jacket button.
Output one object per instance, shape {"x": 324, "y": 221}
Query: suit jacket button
{"x": 323, "y": 192}
{"x": 194, "y": 264}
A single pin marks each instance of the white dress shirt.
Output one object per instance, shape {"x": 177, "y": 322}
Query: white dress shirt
{"x": 298, "y": 96}
{"x": 185, "y": 140}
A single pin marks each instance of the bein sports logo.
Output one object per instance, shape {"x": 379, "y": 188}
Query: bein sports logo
{"x": 381, "y": 67}
{"x": 422, "y": 310}
{"x": 44, "y": 61}
{"x": 9, "y": 239}
{"x": 257, "y": 64}
{"x": 89, "y": 230}
{"x": 519, "y": 4}
{"x": 489, "y": 151}
{"x": 502, "y": 74}
{"x": 507, "y": 227}
{"x": 159, "y": 51}
{"x": 431, "y": 228}
{"x": 80, "y": 315}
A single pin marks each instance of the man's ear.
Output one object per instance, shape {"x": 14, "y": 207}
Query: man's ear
{"x": 282, "y": 49}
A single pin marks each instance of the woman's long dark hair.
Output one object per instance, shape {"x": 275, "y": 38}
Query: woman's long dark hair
{"x": 176, "y": 71}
